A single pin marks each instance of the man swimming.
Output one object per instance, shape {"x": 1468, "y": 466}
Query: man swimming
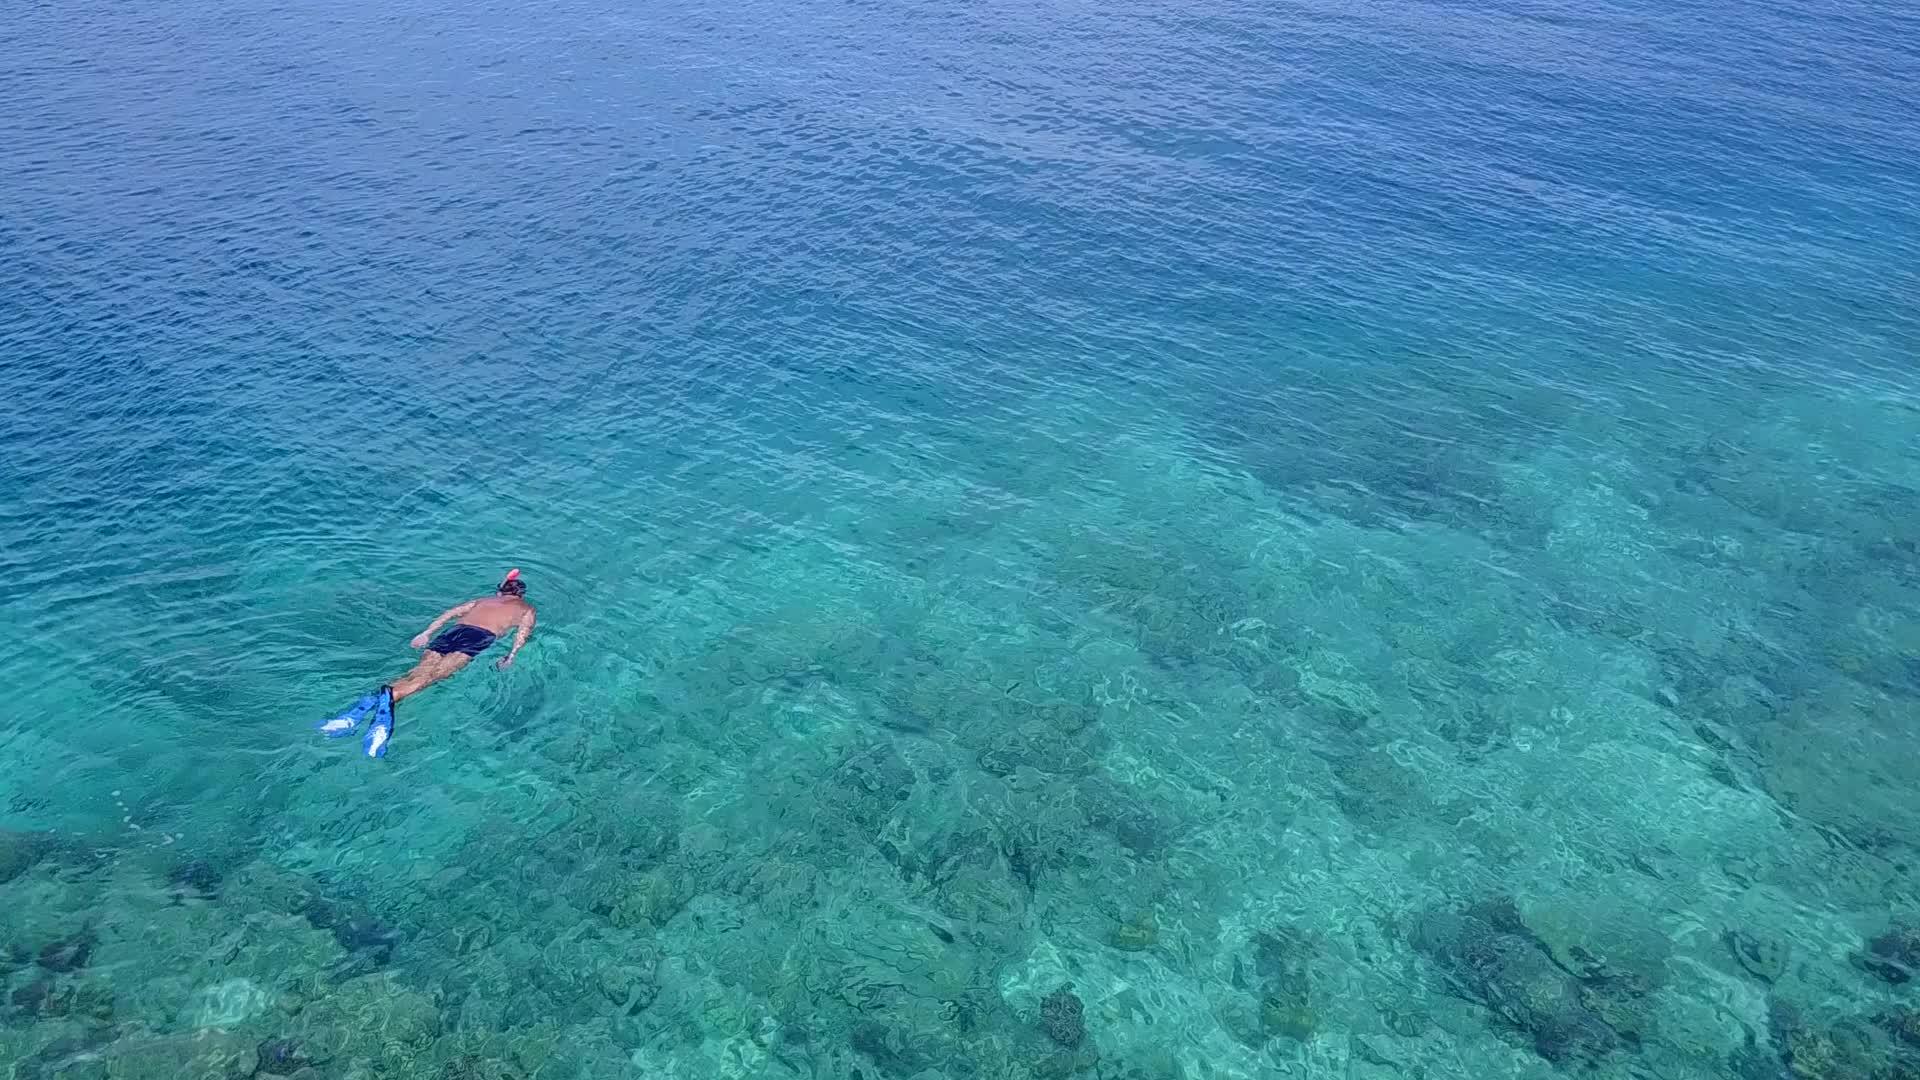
{"x": 482, "y": 621}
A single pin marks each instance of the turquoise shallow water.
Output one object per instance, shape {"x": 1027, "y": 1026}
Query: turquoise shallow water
{"x": 1132, "y": 541}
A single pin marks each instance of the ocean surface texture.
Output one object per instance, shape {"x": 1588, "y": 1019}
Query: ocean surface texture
{"x": 1352, "y": 539}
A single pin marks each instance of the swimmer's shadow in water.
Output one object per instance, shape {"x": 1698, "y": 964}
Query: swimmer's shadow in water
{"x": 369, "y": 942}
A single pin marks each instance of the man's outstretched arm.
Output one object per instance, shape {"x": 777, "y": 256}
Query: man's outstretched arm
{"x": 454, "y": 612}
{"x": 526, "y": 631}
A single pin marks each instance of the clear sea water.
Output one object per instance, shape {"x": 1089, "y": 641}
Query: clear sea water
{"x": 1128, "y": 541}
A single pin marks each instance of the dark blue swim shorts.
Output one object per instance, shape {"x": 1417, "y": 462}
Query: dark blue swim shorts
{"x": 462, "y": 639}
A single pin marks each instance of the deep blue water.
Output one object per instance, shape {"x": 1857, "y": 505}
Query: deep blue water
{"x": 1133, "y": 540}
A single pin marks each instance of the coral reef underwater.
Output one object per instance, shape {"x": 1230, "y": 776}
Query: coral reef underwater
{"x": 1610, "y": 776}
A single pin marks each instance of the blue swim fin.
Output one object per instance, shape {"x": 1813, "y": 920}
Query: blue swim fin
{"x": 381, "y": 730}
{"x": 349, "y": 722}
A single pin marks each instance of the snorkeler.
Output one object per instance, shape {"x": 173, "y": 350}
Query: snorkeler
{"x": 482, "y": 621}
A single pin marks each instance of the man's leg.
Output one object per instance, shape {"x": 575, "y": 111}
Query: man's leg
{"x": 431, "y": 669}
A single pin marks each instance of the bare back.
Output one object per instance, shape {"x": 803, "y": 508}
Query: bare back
{"x": 496, "y": 614}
